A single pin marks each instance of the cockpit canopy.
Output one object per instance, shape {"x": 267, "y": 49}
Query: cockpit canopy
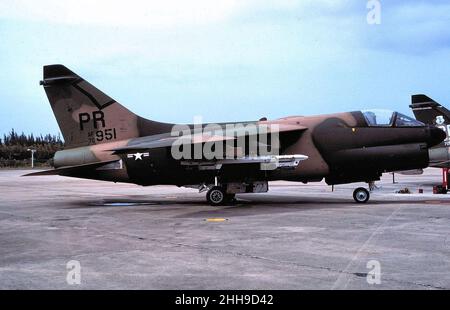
{"x": 387, "y": 118}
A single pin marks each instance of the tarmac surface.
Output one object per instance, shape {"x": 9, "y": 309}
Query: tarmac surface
{"x": 295, "y": 236}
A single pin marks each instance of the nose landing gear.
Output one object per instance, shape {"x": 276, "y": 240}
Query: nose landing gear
{"x": 361, "y": 195}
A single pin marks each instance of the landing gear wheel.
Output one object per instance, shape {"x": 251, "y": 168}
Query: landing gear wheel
{"x": 216, "y": 196}
{"x": 361, "y": 195}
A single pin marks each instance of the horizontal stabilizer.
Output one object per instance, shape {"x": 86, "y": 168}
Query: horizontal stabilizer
{"x": 70, "y": 169}
{"x": 58, "y": 74}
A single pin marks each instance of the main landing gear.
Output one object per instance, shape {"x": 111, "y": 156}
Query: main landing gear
{"x": 224, "y": 193}
{"x": 361, "y": 195}
{"x": 217, "y": 195}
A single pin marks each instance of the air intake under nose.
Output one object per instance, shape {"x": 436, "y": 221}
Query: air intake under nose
{"x": 435, "y": 136}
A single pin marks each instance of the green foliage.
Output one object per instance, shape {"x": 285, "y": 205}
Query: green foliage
{"x": 14, "y": 148}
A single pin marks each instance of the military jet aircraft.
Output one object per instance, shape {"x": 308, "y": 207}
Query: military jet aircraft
{"x": 432, "y": 113}
{"x": 105, "y": 141}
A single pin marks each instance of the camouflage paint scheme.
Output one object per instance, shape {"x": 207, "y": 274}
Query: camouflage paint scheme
{"x": 342, "y": 147}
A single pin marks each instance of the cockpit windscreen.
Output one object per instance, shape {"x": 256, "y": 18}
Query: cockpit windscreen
{"x": 387, "y": 118}
{"x": 379, "y": 117}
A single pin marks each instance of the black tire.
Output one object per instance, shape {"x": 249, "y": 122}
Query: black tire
{"x": 216, "y": 196}
{"x": 361, "y": 195}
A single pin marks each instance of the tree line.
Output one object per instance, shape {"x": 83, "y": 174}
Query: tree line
{"x": 14, "y": 148}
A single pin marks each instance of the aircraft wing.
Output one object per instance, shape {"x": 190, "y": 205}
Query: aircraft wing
{"x": 168, "y": 141}
{"x": 204, "y": 137}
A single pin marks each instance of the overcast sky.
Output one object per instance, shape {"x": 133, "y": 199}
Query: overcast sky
{"x": 226, "y": 60}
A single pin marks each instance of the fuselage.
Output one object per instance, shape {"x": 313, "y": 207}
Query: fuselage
{"x": 342, "y": 148}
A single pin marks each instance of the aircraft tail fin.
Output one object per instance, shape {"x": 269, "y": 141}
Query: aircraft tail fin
{"x": 86, "y": 115}
{"x": 429, "y": 111}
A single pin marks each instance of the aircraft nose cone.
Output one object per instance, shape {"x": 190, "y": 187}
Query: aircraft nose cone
{"x": 436, "y": 136}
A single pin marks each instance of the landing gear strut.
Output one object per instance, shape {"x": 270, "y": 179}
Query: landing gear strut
{"x": 361, "y": 195}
